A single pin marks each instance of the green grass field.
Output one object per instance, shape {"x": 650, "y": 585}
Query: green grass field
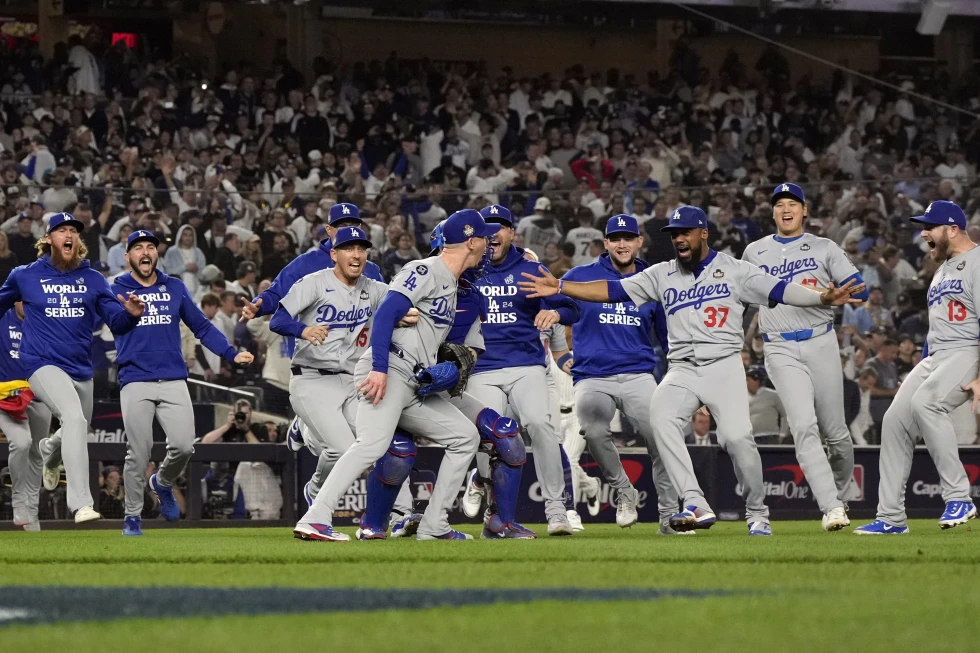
{"x": 802, "y": 590}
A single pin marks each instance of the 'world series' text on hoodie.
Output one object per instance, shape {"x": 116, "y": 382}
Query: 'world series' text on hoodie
{"x": 508, "y": 328}
{"x": 614, "y": 338}
{"x": 11, "y": 334}
{"x": 152, "y": 351}
{"x": 61, "y": 310}
{"x": 304, "y": 264}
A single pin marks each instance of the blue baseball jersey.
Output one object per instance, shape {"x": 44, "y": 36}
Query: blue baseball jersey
{"x": 508, "y": 330}
{"x": 11, "y": 334}
{"x": 470, "y": 311}
{"x": 614, "y": 338}
{"x": 299, "y": 267}
{"x": 152, "y": 351}
{"x": 61, "y": 311}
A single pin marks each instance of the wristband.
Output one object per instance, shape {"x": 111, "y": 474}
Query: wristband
{"x": 561, "y": 282}
{"x": 564, "y": 359}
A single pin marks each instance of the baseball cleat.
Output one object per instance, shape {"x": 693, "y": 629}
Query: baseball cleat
{"x": 85, "y": 513}
{"x": 692, "y": 518}
{"x": 558, "y": 525}
{"x": 451, "y": 535}
{"x": 168, "y": 504}
{"x": 368, "y": 533}
{"x": 407, "y": 526}
{"x": 665, "y": 529}
{"x": 835, "y": 519}
{"x": 574, "y": 520}
{"x": 590, "y": 492}
{"x": 760, "y": 529}
{"x": 307, "y": 496}
{"x": 294, "y": 438}
{"x": 32, "y": 526}
{"x": 132, "y": 525}
{"x": 626, "y": 514}
{"x": 319, "y": 533}
{"x": 956, "y": 513}
{"x": 879, "y": 527}
{"x": 495, "y": 529}
{"x": 473, "y": 498}
{"x": 51, "y": 476}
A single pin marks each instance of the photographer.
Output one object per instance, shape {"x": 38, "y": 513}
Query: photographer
{"x": 239, "y": 427}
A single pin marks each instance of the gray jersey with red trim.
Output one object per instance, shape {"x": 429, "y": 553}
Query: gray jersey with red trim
{"x": 704, "y": 313}
{"x": 810, "y": 261}
{"x": 953, "y": 298}
{"x": 431, "y": 287}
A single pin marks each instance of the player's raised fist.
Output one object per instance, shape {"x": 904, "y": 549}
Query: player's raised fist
{"x": 315, "y": 335}
{"x": 544, "y": 286}
{"x": 250, "y": 310}
{"x": 843, "y": 295}
{"x": 133, "y": 304}
{"x": 244, "y": 358}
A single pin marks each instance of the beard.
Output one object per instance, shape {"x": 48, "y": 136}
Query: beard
{"x": 691, "y": 264}
{"x": 61, "y": 262}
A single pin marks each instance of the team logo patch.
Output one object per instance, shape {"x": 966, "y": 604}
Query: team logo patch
{"x": 365, "y": 295}
{"x": 422, "y": 270}
{"x": 804, "y": 248}
{"x": 468, "y": 230}
{"x": 80, "y": 280}
{"x": 163, "y": 289}
{"x": 718, "y": 274}
{"x": 961, "y": 265}
{"x": 509, "y": 278}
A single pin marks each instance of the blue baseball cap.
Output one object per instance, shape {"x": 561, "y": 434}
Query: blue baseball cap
{"x": 622, "y": 224}
{"x": 137, "y": 236}
{"x": 344, "y": 211}
{"x": 100, "y": 266}
{"x": 347, "y": 235}
{"x": 687, "y": 217}
{"x": 59, "y": 219}
{"x": 465, "y": 224}
{"x": 436, "y": 239}
{"x": 942, "y": 212}
{"x": 497, "y": 214}
{"x": 792, "y": 191}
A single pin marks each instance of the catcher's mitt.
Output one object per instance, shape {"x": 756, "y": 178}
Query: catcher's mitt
{"x": 464, "y": 360}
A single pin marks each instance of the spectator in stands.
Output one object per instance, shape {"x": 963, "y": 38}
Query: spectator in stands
{"x": 886, "y": 383}
{"x": 581, "y": 237}
{"x": 277, "y": 351}
{"x": 905, "y": 360}
{"x": 238, "y": 426}
{"x": 701, "y": 433}
{"x": 112, "y": 496}
{"x": 564, "y": 262}
{"x": 8, "y": 260}
{"x": 862, "y": 426}
{"x": 398, "y": 257}
{"x": 769, "y": 425}
{"x": 185, "y": 259}
{"x": 244, "y": 283}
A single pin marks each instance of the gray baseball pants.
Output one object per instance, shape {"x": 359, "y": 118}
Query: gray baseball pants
{"x": 922, "y": 406}
{"x": 25, "y": 458}
{"x": 170, "y": 403}
{"x": 720, "y": 386}
{"x": 808, "y": 378}
{"x": 596, "y": 401}
{"x": 434, "y": 418}
{"x": 71, "y": 402}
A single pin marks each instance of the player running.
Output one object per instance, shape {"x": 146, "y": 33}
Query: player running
{"x": 940, "y": 383}
{"x": 63, "y": 300}
{"x": 613, "y": 369}
{"x": 702, "y": 292}
{"x": 152, "y": 377}
{"x": 802, "y": 354}
{"x": 387, "y": 377}
{"x": 512, "y": 370}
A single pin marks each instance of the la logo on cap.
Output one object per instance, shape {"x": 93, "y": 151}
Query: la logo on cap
{"x": 353, "y": 232}
{"x": 622, "y": 223}
{"x": 677, "y": 215}
{"x": 346, "y": 210}
{"x": 493, "y": 210}
{"x": 784, "y": 189}
{"x": 468, "y": 230}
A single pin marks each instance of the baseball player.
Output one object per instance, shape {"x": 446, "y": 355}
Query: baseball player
{"x": 24, "y": 420}
{"x": 499, "y": 436}
{"x": 329, "y": 314}
{"x": 63, "y": 299}
{"x": 386, "y": 377}
{"x": 702, "y": 292}
{"x": 940, "y": 383}
{"x": 152, "y": 376}
{"x": 614, "y": 369}
{"x": 512, "y": 370}
{"x": 801, "y": 351}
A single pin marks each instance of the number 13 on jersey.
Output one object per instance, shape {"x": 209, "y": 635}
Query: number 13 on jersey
{"x": 957, "y": 311}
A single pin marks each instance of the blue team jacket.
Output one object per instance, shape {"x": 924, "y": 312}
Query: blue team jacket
{"x": 61, "y": 310}
{"x": 299, "y": 267}
{"x": 10, "y": 337}
{"x": 470, "y": 307}
{"x": 152, "y": 351}
{"x": 614, "y": 338}
{"x": 508, "y": 330}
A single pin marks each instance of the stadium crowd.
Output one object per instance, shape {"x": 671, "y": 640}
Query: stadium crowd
{"x": 235, "y": 175}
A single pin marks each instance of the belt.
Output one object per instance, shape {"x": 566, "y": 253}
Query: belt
{"x": 297, "y": 370}
{"x": 798, "y": 336}
{"x": 400, "y": 353}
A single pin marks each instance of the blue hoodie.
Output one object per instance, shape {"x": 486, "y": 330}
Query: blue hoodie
{"x": 508, "y": 330}
{"x": 152, "y": 351}
{"x": 614, "y": 338}
{"x": 10, "y": 337}
{"x": 304, "y": 264}
{"x": 61, "y": 310}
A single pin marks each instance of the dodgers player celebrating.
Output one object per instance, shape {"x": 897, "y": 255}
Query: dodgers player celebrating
{"x": 386, "y": 377}
{"x": 23, "y": 421}
{"x": 63, "y": 299}
{"x": 152, "y": 376}
{"x": 613, "y": 369}
{"x": 802, "y": 355}
{"x": 940, "y": 383}
{"x": 512, "y": 370}
{"x": 702, "y": 292}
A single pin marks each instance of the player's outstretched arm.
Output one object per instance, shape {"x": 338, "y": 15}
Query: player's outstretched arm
{"x": 794, "y": 294}
{"x": 207, "y": 333}
{"x": 547, "y": 285}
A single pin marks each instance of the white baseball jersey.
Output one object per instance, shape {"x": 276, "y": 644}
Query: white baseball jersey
{"x": 810, "y": 261}
{"x": 953, "y": 302}
{"x": 431, "y": 287}
{"x": 321, "y": 299}
{"x": 582, "y": 238}
{"x": 704, "y": 312}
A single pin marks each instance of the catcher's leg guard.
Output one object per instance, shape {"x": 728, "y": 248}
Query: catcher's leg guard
{"x": 566, "y": 467}
{"x": 385, "y": 480}
{"x": 503, "y": 435}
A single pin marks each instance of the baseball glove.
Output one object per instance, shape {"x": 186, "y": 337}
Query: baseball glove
{"x": 438, "y": 377}
{"x": 462, "y": 356}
